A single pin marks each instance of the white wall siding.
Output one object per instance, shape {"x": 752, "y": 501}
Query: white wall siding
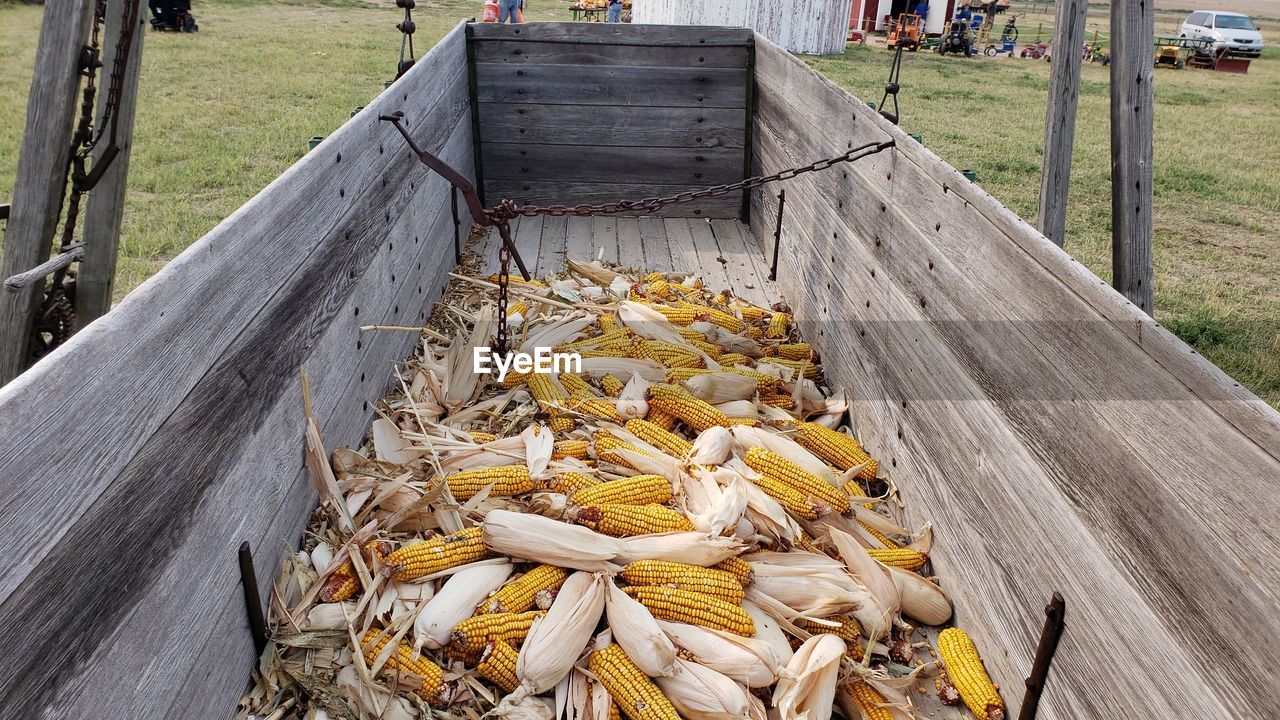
{"x": 803, "y": 26}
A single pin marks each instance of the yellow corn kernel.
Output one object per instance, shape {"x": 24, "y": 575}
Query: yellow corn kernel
{"x": 606, "y": 445}
{"x": 569, "y": 449}
{"x": 343, "y": 582}
{"x": 675, "y": 376}
{"x": 960, "y": 659}
{"x": 791, "y": 499}
{"x": 507, "y": 480}
{"x": 606, "y": 338}
{"x": 752, "y": 333}
{"x": 715, "y": 583}
{"x": 550, "y": 399}
{"x": 660, "y": 419}
{"x": 694, "y": 608}
{"x": 635, "y": 694}
{"x": 405, "y": 660}
{"x": 728, "y": 360}
{"x": 676, "y": 316}
{"x": 521, "y": 307}
{"x": 571, "y": 482}
{"x": 778, "y": 326}
{"x": 836, "y": 448}
{"x": 478, "y": 436}
{"x": 884, "y": 540}
{"x": 806, "y": 368}
{"x": 498, "y": 666}
{"x": 869, "y": 701}
{"x": 739, "y": 568}
{"x": 719, "y": 317}
{"x": 751, "y": 313}
{"x": 635, "y": 490}
{"x": 520, "y": 594}
{"x": 712, "y": 350}
{"x": 658, "y": 288}
{"x": 577, "y": 388}
{"x": 628, "y": 520}
{"x": 654, "y": 276}
{"x": 795, "y": 351}
{"x": 519, "y": 281}
{"x": 771, "y": 464}
{"x": 769, "y": 351}
{"x": 514, "y": 378}
{"x": 695, "y": 413}
{"x": 690, "y": 335}
{"x": 849, "y": 630}
{"x": 435, "y": 555}
{"x": 598, "y": 407}
{"x": 612, "y": 386}
{"x": 904, "y": 558}
{"x": 675, "y": 356}
{"x": 470, "y": 636}
{"x": 764, "y": 383}
{"x": 778, "y": 400}
{"x": 665, "y": 440}
{"x": 608, "y": 322}
{"x": 614, "y": 713}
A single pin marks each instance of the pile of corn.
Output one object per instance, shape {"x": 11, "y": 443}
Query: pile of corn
{"x": 682, "y": 529}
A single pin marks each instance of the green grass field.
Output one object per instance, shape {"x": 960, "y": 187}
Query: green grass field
{"x": 224, "y": 111}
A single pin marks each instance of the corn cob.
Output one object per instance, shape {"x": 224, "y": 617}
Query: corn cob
{"x": 719, "y": 317}
{"x": 440, "y": 553}
{"x": 720, "y": 298}
{"x": 764, "y": 383}
{"x": 694, "y": 289}
{"x": 577, "y": 388}
{"x": 612, "y": 351}
{"x": 804, "y": 542}
{"x": 730, "y": 359}
{"x": 791, "y": 499}
{"x": 777, "y": 326}
{"x": 569, "y": 449}
{"x": 612, "y": 386}
{"x": 658, "y": 288}
{"x": 571, "y": 482}
{"x": 514, "y": 378}
{"x": 694, "y": 608}
{"x": 676, "y": 316}
{"x": 665, "y": 440}
{"x": 343, "y": 582}
{"x": 836, "y": 448}
{"x": 522, "y": 593}
{"x": 628, "y": 520}
{"x": 675, "y": 356}
{"x": 608, "y": 322}
{"x": 806, "y": 368}
{"x": 521, "y": 307}
{"x": 635, "y": 490}
{"x": 677, "y": 401}
{"x": 869, "y": 701}
{"x": 778, "y": 400}
{"x": 739, "y": 568}
{"x": 885, "y": 540}
{"x": 663, "y": 420}
{"x": 676, "y": 376}
{"x": 551, "y": 399}
{"x": 405, "y": 660}
{"x": 605, "y": 445}
{"x": 498, "y": 666}
{"x": 769, "y": 351}
{"x": 752, "y": 333}
{"x": 963, "y": 665}
{"x": 598, "y": 407}
{"x": 714, "y": 583}
{"x": 482, "y": 437}
{"x": 751, "y": 313}
{"x": 771, "y": 464}
{"x": 614, "y": 713}
{"x": 519, "y": 281}
{"x": 654, "y": 276}
{"x": 605, "y": 338}
{"x": 690, "y": 335}
{"x": 795, "y": 351}
{"x": 507, "y": 480}
{"x": 470, "y": 636}
{"x": 635, "y": 694}
{"x": 904, "y": 558}
{"x": 849, "y": 631}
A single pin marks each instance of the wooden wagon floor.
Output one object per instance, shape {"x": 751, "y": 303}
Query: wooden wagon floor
{"x": 724, "y": 253}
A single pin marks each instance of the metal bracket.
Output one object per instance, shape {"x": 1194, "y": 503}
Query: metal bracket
{"x": 1055, "y": 622}
{"x": 252, "y": 600}
{"x": 777, "y": 234}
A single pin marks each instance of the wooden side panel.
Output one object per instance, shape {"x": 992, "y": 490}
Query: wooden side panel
{"x": 586, "y": 113}
{"x": 186, "y": 408}
{"x": 1052, "y": 446}
{"x": 803, "y": 26}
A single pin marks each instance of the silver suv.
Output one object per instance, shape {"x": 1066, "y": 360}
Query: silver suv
{"x": 1233, "y": 31}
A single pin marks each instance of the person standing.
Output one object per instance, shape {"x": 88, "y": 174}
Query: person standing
{"x": 922, "y": 9}
{"x": 614, "y": 15}
{"x": 508, "y": 10}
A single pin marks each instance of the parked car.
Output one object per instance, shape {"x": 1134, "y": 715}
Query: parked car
{"x": 1234, "y": 31}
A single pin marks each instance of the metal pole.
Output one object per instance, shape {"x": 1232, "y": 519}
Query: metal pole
{"x": 252, "y": 600}
{"x": 777, "y": 234}
{"x": 1055, "y": 622}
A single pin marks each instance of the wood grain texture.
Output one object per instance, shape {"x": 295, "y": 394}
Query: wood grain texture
{"x": 803, "y": 26}
{"x": 146, "y": 524}
{"x": 607, "y": 164}
{"x": 612, "y": 125}
{"x": 40, "y": 181}
{"x": 543, "y": 192}
{"x": 611, "y": 85}
{"x": 1132, "y": 127}
{"x": 1060, "y": 121}
{"x": 898, "y": 275}
{"x": 632, "y": 55}
{"x": 645, "y": 36}
{"x": 104, "y": 208}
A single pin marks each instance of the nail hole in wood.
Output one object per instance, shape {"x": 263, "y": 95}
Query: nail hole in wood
{"x": 923, "y": 302}
{"x": 937, "y": 226}
{"x": 393, "y": 278}
{"x": 361, "y": 377}
{"x": 342, "y": 192}
{"x": 359, "y": 345}
{"x": 930, "y": 264}
{"x": 357, "y": 312}
{"x": 396, "y": 310}
{"x": 339, "y": 158}
{"x": 873, "y": 272}
{"x": 868, "y": 303}
{"x": 893, "y": 461}
{"x": 365, "y": 406}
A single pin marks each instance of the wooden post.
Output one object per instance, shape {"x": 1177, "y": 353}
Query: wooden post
{"x": 105, "y": 207}
{"x": 1060, "y": 119}
{"x": 1132, "y": 122}
{"x": 40, "y": 181}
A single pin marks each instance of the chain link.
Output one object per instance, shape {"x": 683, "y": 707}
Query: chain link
{"x": 507, "y": 210}
{"x": 504, "y": 281}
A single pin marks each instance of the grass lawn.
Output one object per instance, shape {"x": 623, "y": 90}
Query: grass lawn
{"x": 224, "y": 111}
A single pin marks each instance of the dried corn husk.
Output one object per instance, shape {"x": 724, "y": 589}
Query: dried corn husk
{"x": 921, "y": 598}
{"x": 712, "y": 447}
{"x": 559, "y": 637}
{"x": 748, "y": 437}
{"x": 881, "y": 611}
{"x": 691, "y": 548}
{"x": 456, "y": 601}
{"x": 593, "y": 271}
{"x": 808, "y": 687}
{"x": 624, "y": 367}
{"x": 716, "y": 388}
{"x": 750, "y": 661}
{"x": 740, "y": 409}
{"x": 632, "y": 403}
{"x": 700, "y": 693}
{"x": 648, "y": 323}
{"x": 769, "y": 631}
{"x": 543, "y": 540}
{"x": 372, "y": 700}
{"x": 636, "y": 630}
{"x": 538, "y": 445}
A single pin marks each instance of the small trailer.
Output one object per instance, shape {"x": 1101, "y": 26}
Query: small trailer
{"x": 1059, "y": 438}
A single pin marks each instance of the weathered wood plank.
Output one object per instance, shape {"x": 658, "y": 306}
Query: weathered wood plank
{"x": 527, "y": 233}
{"x": 657, "y": 252}
{"x": 630, "y": 245}
{"x": 604, "y": 233}
{"x": 551, "y": 251}
{"x": 580, "y": 241}
{"x": 253, "y": 335}
{"x": 745, "y": 266}
{"x": 572, "y": 192}
{"x": 587, "y": 164}
{"x": 593, "y": 53}
{"x": 803, "y": 26}
{"x": 611, "y": 85}
{"x": 684, "y": 257}
{"x": 606, "y": 34}
{"x": 40, "y": 181}
{"x": 1132, "y": 122}
{"x": 711, "y": 264}
{"x": 1060, "y": 121}
{"x": 612, "y": 125}
{"x": 104, "y": 209}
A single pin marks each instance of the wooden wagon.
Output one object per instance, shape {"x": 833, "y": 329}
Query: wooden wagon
{"x": 1058, "y": 438}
